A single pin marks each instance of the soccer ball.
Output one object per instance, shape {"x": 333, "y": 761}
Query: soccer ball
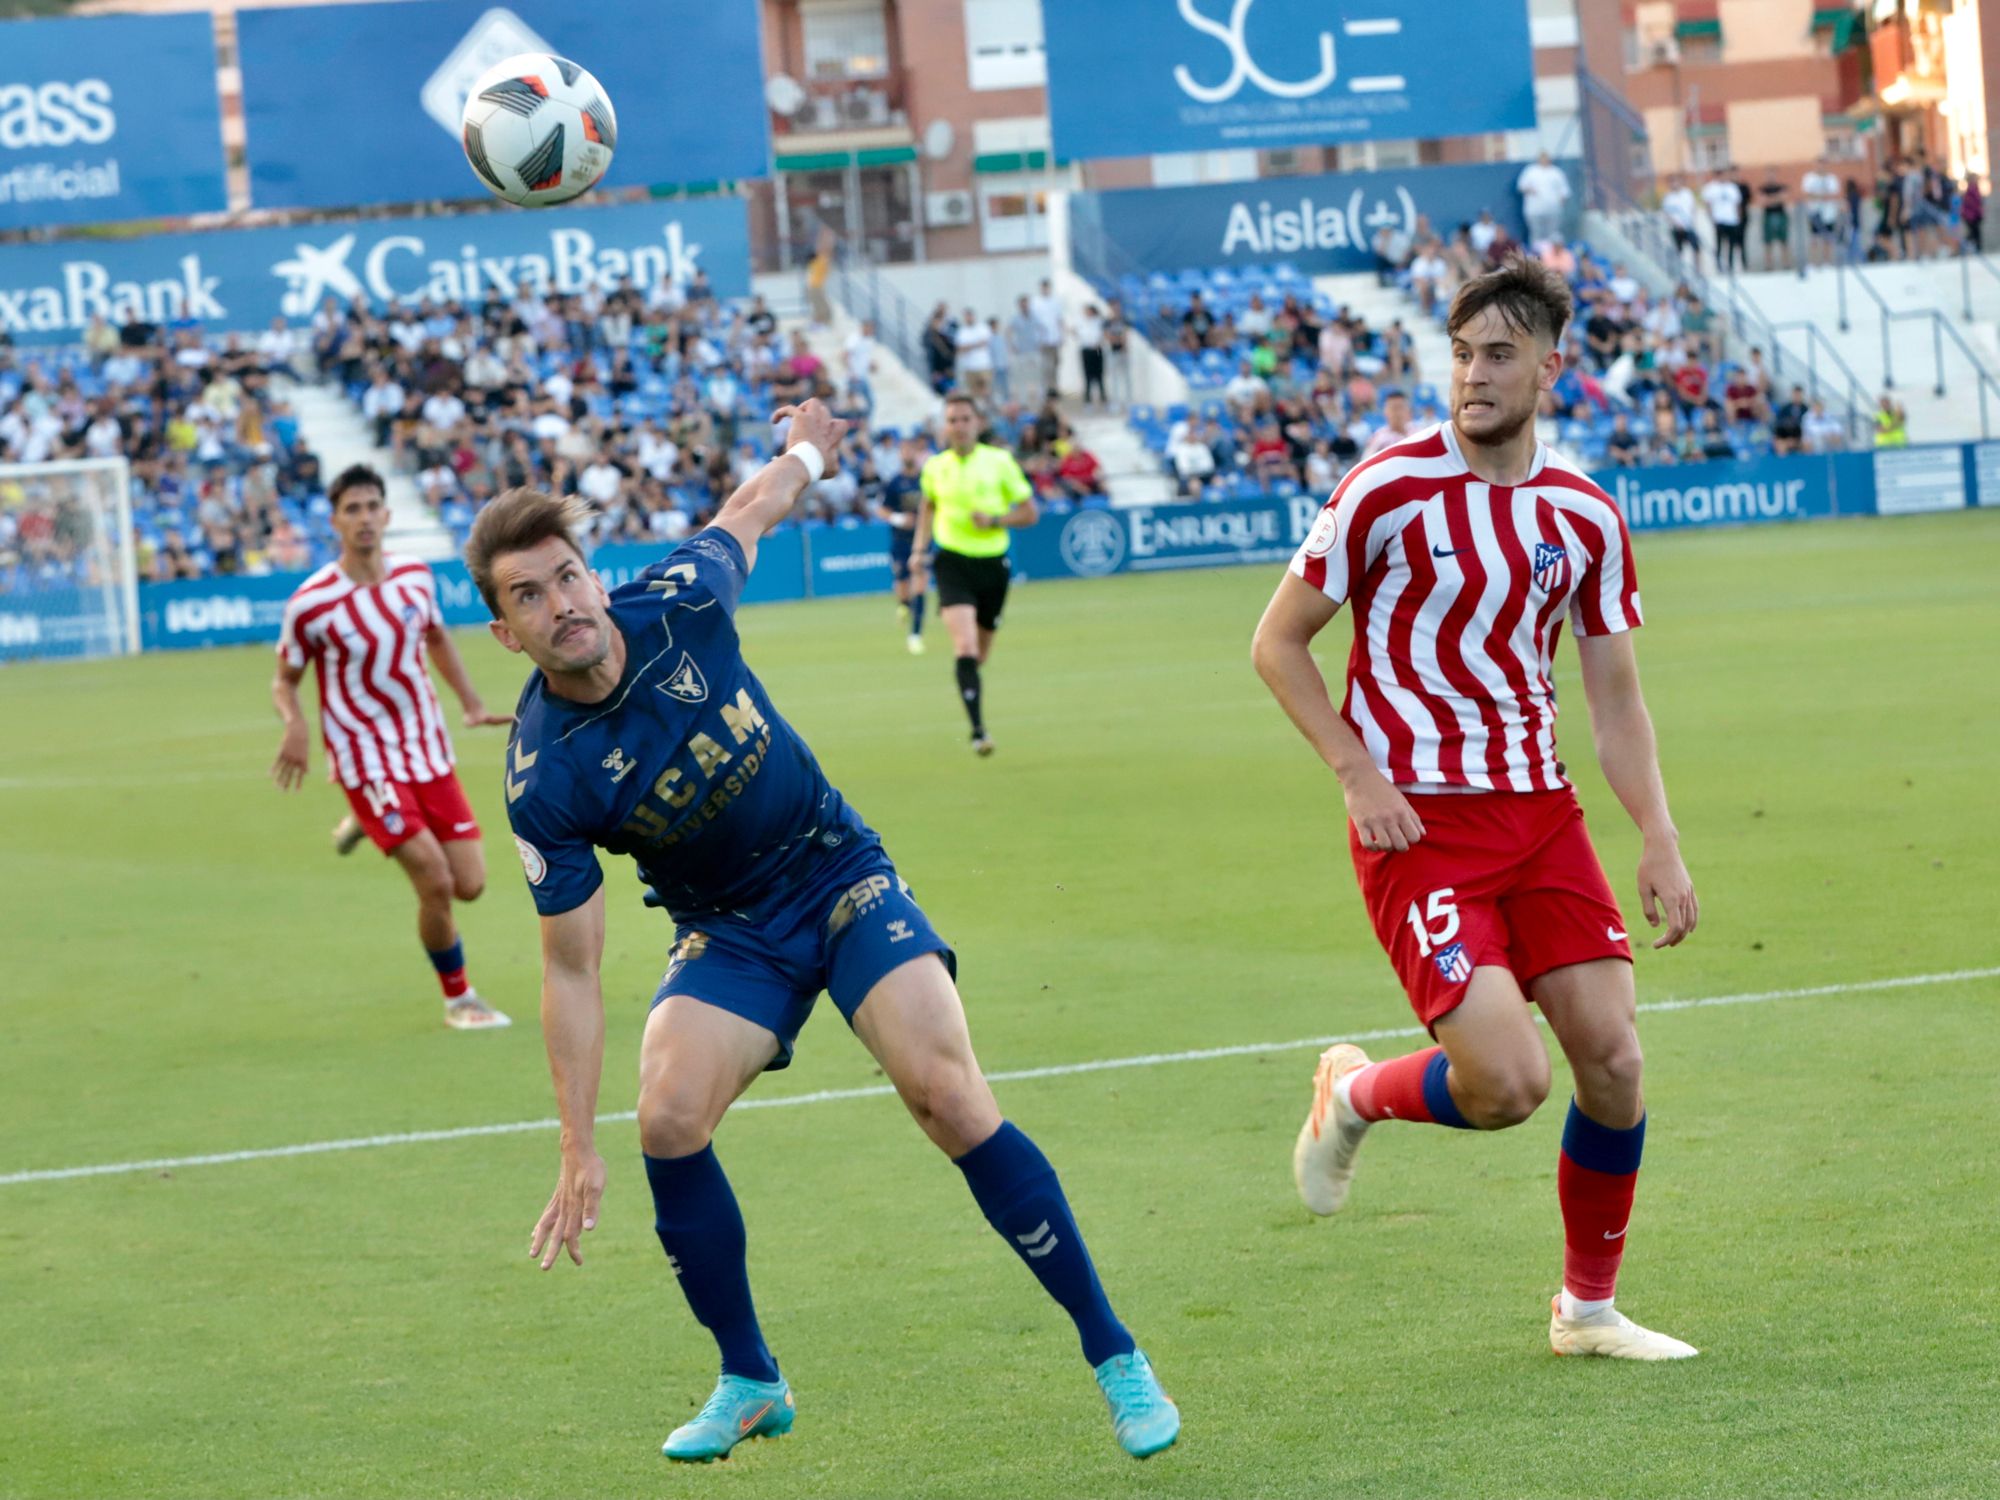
{"x": 538, "y": 129}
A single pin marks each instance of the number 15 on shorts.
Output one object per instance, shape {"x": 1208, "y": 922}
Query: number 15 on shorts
{"x": 1436, "y": 922}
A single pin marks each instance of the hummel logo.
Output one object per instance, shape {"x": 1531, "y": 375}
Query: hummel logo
{"x": 522, "y": 760}
{"x": 1614, "y": 934}
{"x": 1618, "y": 1236}
{"x": 1037, "y": 1242}
{"x": 1437, "y": 551}
{"x": 618, "y": 765}
{"x": 899, "y": 931}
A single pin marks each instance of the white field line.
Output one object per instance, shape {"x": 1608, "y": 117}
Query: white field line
{"x": 828, "y": 1096}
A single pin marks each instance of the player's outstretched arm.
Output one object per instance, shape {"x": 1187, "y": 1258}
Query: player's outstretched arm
{"x": 1627, "y": 751}
{"x": 451, "y": 666}
{"x": 289, "y": 769}
{"x": 767, "y": 497}
{"x": 1282, "y": 654}
{"x": 573, "y": 1031}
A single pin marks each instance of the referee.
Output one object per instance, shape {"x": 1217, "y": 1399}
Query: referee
{"x": 974, "y": 493}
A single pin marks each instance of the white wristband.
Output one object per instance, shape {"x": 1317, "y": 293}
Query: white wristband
{"x": 809, "y": 455}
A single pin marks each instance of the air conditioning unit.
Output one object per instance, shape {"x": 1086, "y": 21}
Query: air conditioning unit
{"x": 948, "y": 210}
{"x": 1664, "y": 52}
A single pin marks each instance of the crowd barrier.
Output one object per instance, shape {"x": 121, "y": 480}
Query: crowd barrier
{"x": 828, "y": 562}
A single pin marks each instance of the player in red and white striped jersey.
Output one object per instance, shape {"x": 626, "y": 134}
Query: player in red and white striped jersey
{"x": 1464, "y": 551}
{"x": 365, "y": 623}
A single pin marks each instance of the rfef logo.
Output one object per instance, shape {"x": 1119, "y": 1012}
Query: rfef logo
{"x": 1093, "y": 543}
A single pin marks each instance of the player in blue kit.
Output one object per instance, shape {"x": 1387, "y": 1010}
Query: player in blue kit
{"x": 643, "y": 732}
{"x": 902, "y": 497}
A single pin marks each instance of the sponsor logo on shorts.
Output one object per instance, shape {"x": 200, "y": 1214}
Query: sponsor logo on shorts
{"x": 857, "y": 901}
{"x": 531, "y": 860}
{"x": 1454, "y": 963}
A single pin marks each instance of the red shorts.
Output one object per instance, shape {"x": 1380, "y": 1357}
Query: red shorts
{"x": 394, "y": 812}
{"x": 1502, "y": 878}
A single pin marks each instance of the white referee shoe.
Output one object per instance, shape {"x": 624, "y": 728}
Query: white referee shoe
{"x": 1611, "y": 1334}
{"x": 1323, "y": 1158}
{"x": 348, "y": 834}
{"x": 470, "y": 1013}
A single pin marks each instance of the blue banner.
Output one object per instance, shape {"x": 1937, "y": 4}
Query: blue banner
{"x": 1324, "y": 225}
{"x": 1092, "y": 543}
{"x": 109, "y": 117}
{"x": 242, "y": 278}
{"x": 1136, "y": 77}
{"x": 346, "y": 105}
{"x": 248, "y": 611}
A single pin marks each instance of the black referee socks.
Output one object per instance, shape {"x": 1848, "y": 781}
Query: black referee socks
{"x": 968, "y": 689}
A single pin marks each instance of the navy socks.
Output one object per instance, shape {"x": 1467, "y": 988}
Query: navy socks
{"x": 701, "y": 1229}
{"x": 1017, "y": 1190}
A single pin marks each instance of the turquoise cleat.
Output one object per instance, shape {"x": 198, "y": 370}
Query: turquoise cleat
{"x": 1142, "y": 1416}
{"x": 739, "y": 1409}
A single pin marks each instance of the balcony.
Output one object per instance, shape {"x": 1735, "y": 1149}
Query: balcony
{"x": 827, "y": 106}
{"x": 1909, "y": 61}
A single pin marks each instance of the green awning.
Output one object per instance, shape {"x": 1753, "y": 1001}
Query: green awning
{"x": 840, "y": 161}
{"x": 1843, "y": 20}
{"x": 1012, "y": 161}
{"x": 1698, "y": 28}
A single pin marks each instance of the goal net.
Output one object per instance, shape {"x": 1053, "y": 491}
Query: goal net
{"x": 69, "y": 579}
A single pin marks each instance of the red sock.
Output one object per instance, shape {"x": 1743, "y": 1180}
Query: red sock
{"x": 1596, "y": 1202}
{"x": 450, "y": 966}
{"x": 1396, "y": 1089}
{"x": 455, "y": 983}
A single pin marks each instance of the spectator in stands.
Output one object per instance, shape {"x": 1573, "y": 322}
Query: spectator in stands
{"x": 1972, "y": 213}
{"x": 1079, "y": 475}
{"x": 1892, "y": 423}
{"x": 382, "y": 404}
{"x": 1690, "y": 387}
{"x": 997, "y": 345}
{"x": 1622, "y": 446}
{"x": 1090, "y": 349}
{"x": 1677, "y": 207}
{"x": 100, "y": 340}
{"x": 1743, "y": 398}
{"x": 1715, "y": 443}
{"x": 1430, "y": 276}
{"x": 1117, "y": 353}
{"x": 940, "y": 349}
{"x": 1193, "y": 464}
{"x": 973, "y": 350}
{"x": 1544, "y": 191}
{"x": 1776, "y": 228}
{"x": 1724, "y": 201}
{"x": 1823, "y": 431}
{"x": 1397, "y": 424}
{"x": 1483, "y": 234}
{"x": 860, "y": 355}
{"x": 1024, "y": 346}
{"x": 1271, "y": 455}
{"x": 1047, "y": 309}
{"x": 1394, "y": 247}
{"x": 1245, "y": 390}
{"x": 1788, "y": 423}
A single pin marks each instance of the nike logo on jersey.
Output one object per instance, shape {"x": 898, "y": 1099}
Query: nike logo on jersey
{"x": 1614, "y": 934}
{"x": 1437, "y": 551}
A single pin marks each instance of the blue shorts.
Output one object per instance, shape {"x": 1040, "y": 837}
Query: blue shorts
{"x": 850, "y": 923}
{"x": 900, "y": 542}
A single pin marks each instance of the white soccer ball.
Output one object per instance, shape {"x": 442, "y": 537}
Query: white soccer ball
{"x": 538, "y": 129}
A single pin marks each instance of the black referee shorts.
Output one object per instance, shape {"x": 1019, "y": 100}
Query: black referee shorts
{"x": 978, "y": 581}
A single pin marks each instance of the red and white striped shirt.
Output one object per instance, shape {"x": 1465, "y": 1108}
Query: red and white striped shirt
{"x": 1460, "y": 589}
{"x": 377, "y": 708}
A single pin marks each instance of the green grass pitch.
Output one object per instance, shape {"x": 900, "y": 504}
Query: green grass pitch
{"x": 1152, "y": 863}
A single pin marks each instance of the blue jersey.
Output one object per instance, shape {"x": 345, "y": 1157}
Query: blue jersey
{"x": 902, "y": 493}
{"x": 685, "y": 766}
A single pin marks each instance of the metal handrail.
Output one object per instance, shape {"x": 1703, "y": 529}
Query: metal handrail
{"x": 1941, "y": 326}
{"x": 1856, "y": 394}
{"x": 1966, "y": 260}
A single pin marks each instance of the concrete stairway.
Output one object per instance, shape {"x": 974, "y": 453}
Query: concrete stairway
{"x": 1379, "y": 306}
{"x": 334, "y": 428}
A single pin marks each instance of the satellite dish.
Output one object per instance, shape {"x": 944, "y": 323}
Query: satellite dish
{"x": 784, "y": 94}
{"x": 939, "y": 138}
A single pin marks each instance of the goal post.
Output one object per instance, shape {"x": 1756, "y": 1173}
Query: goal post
{"x": 69, "y": 568}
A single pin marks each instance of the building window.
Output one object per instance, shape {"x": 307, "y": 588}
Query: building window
{"x": 1708, "y": 151}
{"x": 1014, "y": 207}
{"x": 1180, "y": 168}
{"x": 1003, "y": 44}
{"x": 1378, "y": 156}
{"x": 846, "y": 40}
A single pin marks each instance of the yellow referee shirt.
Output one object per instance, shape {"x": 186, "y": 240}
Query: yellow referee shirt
{"x": 987, "y": 481}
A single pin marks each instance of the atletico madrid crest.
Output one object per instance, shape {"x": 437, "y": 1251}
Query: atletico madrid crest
{"x": 1551, "y": 567}
{"x": 1454, "y": 963}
